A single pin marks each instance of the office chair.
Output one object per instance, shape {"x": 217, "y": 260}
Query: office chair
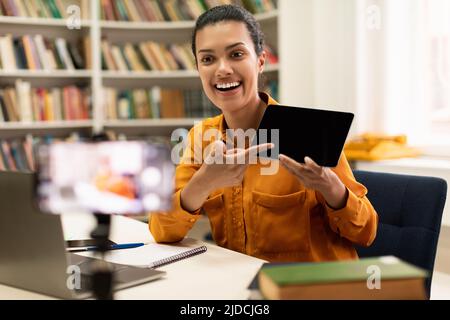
{"x": 410, "y": 210}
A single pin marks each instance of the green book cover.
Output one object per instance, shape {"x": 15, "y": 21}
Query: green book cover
{"x": 103, "y": 61}
{"x": 141, "y": 58}
{"x": 259, "y": 6}
{"x": 54, "y": 9}
{"x": 149, "y": 101}
{"x": 250, "y": 5}
{"x": 123, "y": 12}
{"x": 203, "y": 5}
{"x": 129, "y": 95}
{"x": 341, "y": 271}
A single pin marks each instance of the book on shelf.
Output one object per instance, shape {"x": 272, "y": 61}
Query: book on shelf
{"x": 172, "y": 104}
{"x": 7, "y": 52}
{"x": 23, "y": 103}
{"x": 9, "y": 104}
{"x": 8, "y": 161}
{"x": 77, "y": 56}
{"x": 41, "y": 53}
{"x": 50, "y": 9}
{"x": 85, "y": 44}
{"x": 384, "y": 277}
{"x": 61, "y": 47}
{"x": 23, "y": 92}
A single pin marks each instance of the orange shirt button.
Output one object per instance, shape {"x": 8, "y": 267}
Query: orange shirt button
{"x": 336, "y": 219}
{"x": 192, "y": 220}
{"x": 239, "y": 224}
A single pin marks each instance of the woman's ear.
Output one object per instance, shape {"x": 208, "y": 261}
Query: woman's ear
{"x": 261, "y": 61}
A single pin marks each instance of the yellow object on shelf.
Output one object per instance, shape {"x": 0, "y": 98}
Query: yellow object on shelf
{"x": 370, "y": 147}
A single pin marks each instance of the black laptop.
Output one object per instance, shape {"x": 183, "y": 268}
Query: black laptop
{"x": 318, "y": 134}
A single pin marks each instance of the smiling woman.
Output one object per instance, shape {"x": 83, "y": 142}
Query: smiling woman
{"x": 299, "y": 212}
{"x": 229, "y": 58}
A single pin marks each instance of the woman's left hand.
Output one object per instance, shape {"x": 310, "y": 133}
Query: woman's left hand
{"x": 322, "y": 179}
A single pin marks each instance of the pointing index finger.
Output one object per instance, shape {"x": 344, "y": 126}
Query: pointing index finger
{"x": 259, "y": 148}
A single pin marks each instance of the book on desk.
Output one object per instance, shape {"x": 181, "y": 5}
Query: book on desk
{"x": 369, "y": 278}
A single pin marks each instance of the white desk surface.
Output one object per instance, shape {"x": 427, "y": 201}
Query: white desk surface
{"x": 217, "y": 273}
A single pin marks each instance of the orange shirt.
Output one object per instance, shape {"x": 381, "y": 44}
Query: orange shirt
{"x": 272, "y": 217}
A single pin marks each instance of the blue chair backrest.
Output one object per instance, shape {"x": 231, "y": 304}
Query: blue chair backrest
{"x": 410, "y": 210}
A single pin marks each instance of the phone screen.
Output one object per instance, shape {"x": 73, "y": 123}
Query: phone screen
{"x": 114, "y": 177}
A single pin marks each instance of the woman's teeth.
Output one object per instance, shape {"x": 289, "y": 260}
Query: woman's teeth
{"x": 227, "y": 86}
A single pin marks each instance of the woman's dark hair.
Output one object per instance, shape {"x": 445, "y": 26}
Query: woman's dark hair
{"x": 230, "y": 13}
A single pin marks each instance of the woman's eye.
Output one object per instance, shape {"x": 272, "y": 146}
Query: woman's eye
{"x": 237, "y": 54}
{"x": 206, "y": 59}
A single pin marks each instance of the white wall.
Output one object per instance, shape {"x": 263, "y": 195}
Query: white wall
{"x": 316, "y": 41}
{"x": 296, "y": 54}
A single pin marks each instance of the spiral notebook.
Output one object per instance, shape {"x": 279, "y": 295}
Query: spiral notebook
{"x": 177, "y": 257}
{"x": 154, "y": 255}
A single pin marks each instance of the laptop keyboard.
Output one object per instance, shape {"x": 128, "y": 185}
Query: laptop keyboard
{"x": 85, "y": 264}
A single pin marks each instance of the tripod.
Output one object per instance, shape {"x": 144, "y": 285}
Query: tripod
{"x": 102, "y": 276}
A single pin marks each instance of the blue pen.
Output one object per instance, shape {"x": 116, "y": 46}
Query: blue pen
{"x": 111, "y": 247}
{"x": 126, "y": 245}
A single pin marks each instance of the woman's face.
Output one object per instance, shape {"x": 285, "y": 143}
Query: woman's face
{"x": 228, "y": 65}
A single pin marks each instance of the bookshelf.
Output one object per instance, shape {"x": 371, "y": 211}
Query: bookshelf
{"x": 96, "y": 79}
{"x": 45, "y": 22}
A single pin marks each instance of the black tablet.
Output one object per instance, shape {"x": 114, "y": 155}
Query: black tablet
{"x": 318, "y": 134}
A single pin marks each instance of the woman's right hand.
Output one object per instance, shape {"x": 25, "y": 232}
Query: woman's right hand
{"x": 226, "y": 168}
{"x": 221, "y": 168}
